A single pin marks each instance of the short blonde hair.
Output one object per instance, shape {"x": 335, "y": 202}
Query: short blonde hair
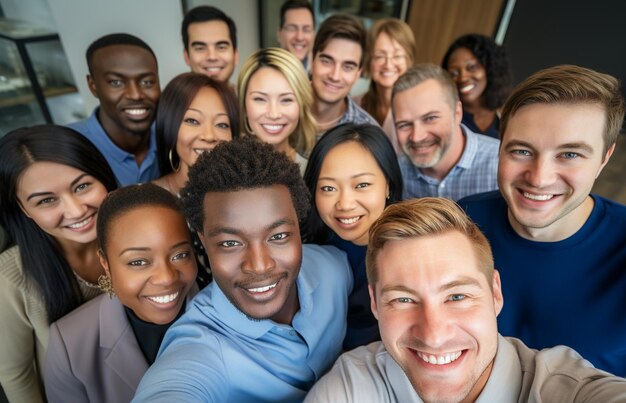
{"x": 303, "y": 137}
{"x": 423, "y": 217}
{"x": 569, "y": 84}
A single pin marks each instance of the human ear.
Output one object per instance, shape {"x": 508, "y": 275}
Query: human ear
{"x": 498, "y": 299}
{"x": 373, "y": 305}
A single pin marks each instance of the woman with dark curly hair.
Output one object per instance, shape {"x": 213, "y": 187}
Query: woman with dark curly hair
{"x": 481, "y": 70}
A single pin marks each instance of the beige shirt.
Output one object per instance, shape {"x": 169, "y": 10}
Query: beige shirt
{"x": 519, "y": 374}
{"x": 23, "y": 331}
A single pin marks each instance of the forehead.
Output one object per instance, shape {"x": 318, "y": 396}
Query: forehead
{"x": 46, "y": 176}
{"x": 208, "y": 32}
{"x": 123, "y": 59}
{"x": 249, "y": 210}
{"x": 299, "y": 16}
{"x": 343, "y": 50}
{"x": 207, "y": 99}
{"x": 461, "y": 56}
{"x": 425, "y": 97}
{"x": 146, "y": 224}
{"x": 384, "y": 41}
{"x": 552, "y": 125}
{"x": 427, "y": 262}
{"x": 268, "y": 79}
{"x": 361, "y": 160}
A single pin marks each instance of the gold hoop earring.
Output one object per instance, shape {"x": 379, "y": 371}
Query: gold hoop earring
{"x": 172, "y": 163}
{"x": 105, "y": 284}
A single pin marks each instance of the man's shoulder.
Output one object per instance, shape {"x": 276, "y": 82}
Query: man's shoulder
{"x": 356, "y": 114}
{"x": 481, "y": 201}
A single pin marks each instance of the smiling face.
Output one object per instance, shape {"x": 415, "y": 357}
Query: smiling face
{"x": 389, "y": 61}
{"x": 437, "y": 314}
{"x": 335, "y": 69}
{"x": 297, "y": 34}
{"x": 63, "y": 201}
{"x": 272, "y": 109}
{"x": 469, "y": 75}
{"x": 350, "y": 196}
{"x": 125, "y": 80}
{"x": 550, "y": 156}
{"x": 428, "y": 128}
{"x": 204, "y": 125}
{"x": 150, "y": 260}
{"x": 210, "y": 50}
{"x": 253, "y": 242}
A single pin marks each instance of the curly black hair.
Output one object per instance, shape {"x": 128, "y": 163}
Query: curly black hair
{"x": 495, "y": 61}
{"x": 242, "y": 164}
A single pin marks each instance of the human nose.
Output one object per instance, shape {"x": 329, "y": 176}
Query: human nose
{"x": 211, "y": 53}
{"x": 133, "y": 91}
{"x": 345, "y": 200}
{"x": 430, "y": 326}
{"x": 257, "y": 259}
{"x": 335, "y": 72}
{"x": 540, "y": 173}
{"x": 299, "y": 34}
{"x": 74, "y": 208}
{"x": 417, "y": 133}
{"x": 273, "y": 111}
{"x": 164, "y": 274}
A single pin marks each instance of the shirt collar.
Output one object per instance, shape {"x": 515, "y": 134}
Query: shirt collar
{"x": 470, "y": 150}
{"x": 505, "y": 382}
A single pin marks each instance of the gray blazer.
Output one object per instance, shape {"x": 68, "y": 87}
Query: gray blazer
{"x": 93, "y": 355}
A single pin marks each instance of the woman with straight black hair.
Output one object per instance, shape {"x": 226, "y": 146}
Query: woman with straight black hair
{"x": 353, "y": 174}
{"x": 52, "y": 182}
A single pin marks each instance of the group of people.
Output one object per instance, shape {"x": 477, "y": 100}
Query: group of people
{"x": 279, "y": 240}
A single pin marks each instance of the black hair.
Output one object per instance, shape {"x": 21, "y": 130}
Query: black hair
{"x": 44, "y": 264}
{"x": 130, "y": 198}
{"x": 174, "y": 102}
{"x": 115, "y": 39}
{"x": 205, "y": 14}
{"x": 376, "y": 142}
{"x": 495, "y": 61}
{"x": 241, "y": 164}
{"x": 295, "y": 5}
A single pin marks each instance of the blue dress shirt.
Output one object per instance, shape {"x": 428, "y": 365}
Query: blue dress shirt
{"x": 215, "y": 353}
{"x": 123, "y": 163}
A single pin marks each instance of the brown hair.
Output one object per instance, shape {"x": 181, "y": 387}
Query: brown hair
{"x": 399, "y": 31}
{"x": 340, "y": 26}
{"x": 569, "y": 84}
{"x": 427, "y": 71}
{"x": 423, "y": 217}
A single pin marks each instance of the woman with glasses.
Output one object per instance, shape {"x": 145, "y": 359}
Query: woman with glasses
{"x": 391, "y": 51}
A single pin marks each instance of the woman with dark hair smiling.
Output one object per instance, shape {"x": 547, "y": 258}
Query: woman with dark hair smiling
{"x": 52, "y": 182}
{"x": 353, "y": 174}
{"x": 481, "y": 70}
{"x": 99, "y": 352}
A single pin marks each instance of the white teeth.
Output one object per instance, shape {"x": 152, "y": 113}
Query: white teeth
{"x": 349, "y": 220}
{"x": 200, "y": 151}
{"x": 213, "y": 69}
{"x": 388, "y": 74}
{"x": 80, "y": 224}
{"x": 537, "y": 197}
{"x": 467, "y": 88}
{"x": 273, "y": 128}
{"x": 262, "y": 289}
{"x": 136, "y": 111}
{"x": 440, "y": 359}
{"x": 164, "y": 299}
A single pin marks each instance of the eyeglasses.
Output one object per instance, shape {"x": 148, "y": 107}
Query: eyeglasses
{"x": 381, "y": 59}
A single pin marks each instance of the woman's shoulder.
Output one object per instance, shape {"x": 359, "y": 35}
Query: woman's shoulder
{"x": 11, "y": 270}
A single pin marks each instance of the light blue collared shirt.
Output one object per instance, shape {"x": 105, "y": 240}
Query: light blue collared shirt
{"x": 476, "y": 171}
{"x": 215, "y": 353}
{"x": 123, "y": 163}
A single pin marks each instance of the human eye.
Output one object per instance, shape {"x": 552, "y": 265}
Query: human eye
{"x": 45, "y": 201}
{"x": 398, "y": 58}
{"x": 327, "y": 188}
{"x": 280, "y": 236}
{"x": 402, "y": 300}
{"x": 431, "y": 118}
{"x": 325, "y": 61}
{"x": 570, "y": 155}
{"x": 471, "y": 67}
{"x": 349, "y": 67}
{"x": 199, "y": 48}
{"x": 362, "y": 185}
{"x": 287, "y": 100}
{"x": 307, "y": 30}
{"x": 81, "y": 187}
{"x": 457, "y": 297}
{"x": 403, "y": 126}
{"x": 223, "y": 125}
{"x": 223, "y": 46}
{"x": 191, "y": 121}
{"x": 291, "y": 29}
{"x": 229, "y": 244}
{"x": 181, "y": 255}
{"x": 453, "y": 73}
{"x": 146, "y": 83}
{"x": 520, "y": 153}
{"x": 379, "y": 59}
{"x": 115, "y": 83}
{"x": 138, "y": 263}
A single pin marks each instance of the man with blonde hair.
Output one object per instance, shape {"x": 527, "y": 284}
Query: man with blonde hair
{"x": 560, "y": 249}
{"x": 436, "y": 296}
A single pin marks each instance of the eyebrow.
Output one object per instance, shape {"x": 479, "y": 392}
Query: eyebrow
{"x": 72, "y": 184}
{"x": 145, "y": 248}
{"x": 328, "y": 178}
{"x": 569, "y": 146}
{"x": 235, "y": 231}
{"x": 265, "y": 93}
{"x": 202, "y": 112}
{"x": 464, "y": 281}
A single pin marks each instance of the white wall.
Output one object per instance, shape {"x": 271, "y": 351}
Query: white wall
{"x": 157, "y": 22}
